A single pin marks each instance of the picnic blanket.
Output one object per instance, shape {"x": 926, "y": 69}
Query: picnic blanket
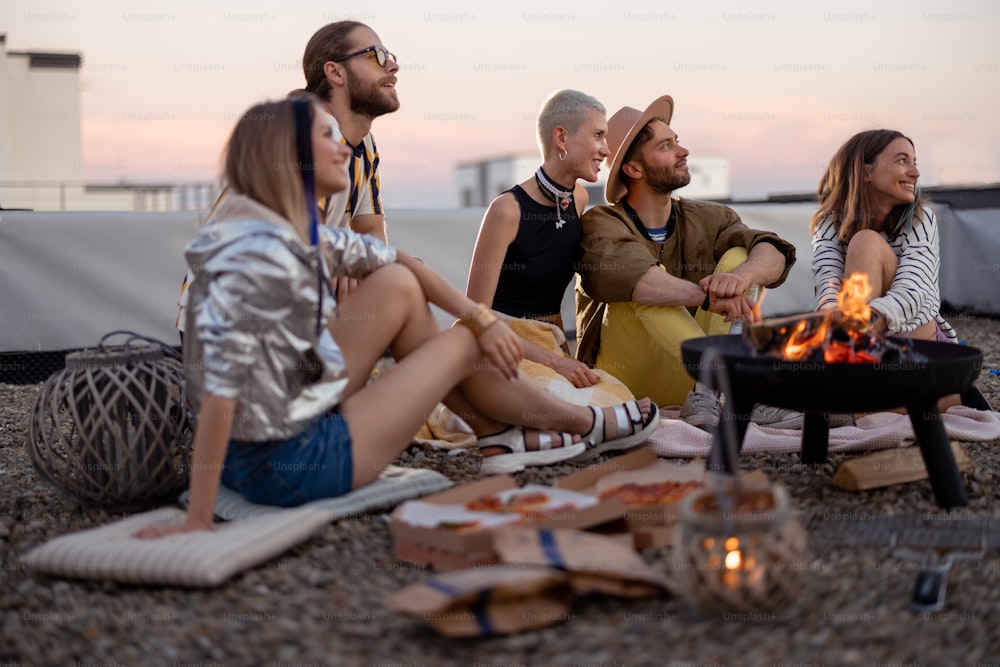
{"x": 879, "y": 430}
{"x": 445, "y": 430}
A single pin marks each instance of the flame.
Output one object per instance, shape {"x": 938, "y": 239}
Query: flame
{"x": 854, "y": 317}
{"x": 800, "y": 344}
{"x": 733, "y": 560}
{"x": 840, "y": 353}
{"x": 853, "y": 298}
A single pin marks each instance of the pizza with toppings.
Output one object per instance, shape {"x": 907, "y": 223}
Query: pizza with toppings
{"x": 515, "y": 502}
{"x": 487, "y": 503}
{"x": 656, "y": 493}
{"x": 529, "y": 501}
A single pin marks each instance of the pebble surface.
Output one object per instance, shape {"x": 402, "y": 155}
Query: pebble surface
{"x": 321, "y": 602}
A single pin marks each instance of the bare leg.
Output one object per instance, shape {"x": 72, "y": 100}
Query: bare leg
{"x": 384, "y": 415}
{"x": 870, "y": 254}
{"x": 388, "y": 310}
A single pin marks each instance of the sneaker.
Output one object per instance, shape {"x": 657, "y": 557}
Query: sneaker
{"x": 701, "y": 408}
{"x": 771, "y": 417}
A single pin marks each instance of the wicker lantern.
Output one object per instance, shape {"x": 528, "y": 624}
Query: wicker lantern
{"x": 736, "y": 548}
{"x": 113, "y": 429}
{"x": 747, "y": 557}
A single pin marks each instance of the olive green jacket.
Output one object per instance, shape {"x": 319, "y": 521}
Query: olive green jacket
{"x": 615, "y": 253}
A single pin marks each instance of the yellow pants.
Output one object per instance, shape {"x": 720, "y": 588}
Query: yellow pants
{"x": 641, "y": 345}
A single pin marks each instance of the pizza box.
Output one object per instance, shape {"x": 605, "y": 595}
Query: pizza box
{"x": 650, "y": 525}
{"x": 446, "y": 548}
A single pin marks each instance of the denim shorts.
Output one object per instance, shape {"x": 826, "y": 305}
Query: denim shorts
{"x": 316, "y": 463}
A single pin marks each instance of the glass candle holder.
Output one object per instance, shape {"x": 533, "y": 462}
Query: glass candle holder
{"x": 743, "y": 552}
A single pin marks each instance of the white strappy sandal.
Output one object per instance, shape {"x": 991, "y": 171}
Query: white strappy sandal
{"x": 631, "y": 429}
{"x": 512, "y": 439}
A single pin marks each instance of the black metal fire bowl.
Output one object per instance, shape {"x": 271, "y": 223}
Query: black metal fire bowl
{"x": 819, "y": 388}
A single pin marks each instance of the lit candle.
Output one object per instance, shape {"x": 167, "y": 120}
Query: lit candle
{"x": 733, "y": 561}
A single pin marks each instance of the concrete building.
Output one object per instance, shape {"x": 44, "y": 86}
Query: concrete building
{"x": 40, "y": 145}
{"x": 480, "y": 181}
{"x": 41, "y": 149}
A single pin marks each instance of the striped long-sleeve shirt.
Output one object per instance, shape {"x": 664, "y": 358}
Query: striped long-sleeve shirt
{"x": 913, "y": 297}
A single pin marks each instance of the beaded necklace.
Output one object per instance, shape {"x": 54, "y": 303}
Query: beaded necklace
{"x": 555, "y": 193}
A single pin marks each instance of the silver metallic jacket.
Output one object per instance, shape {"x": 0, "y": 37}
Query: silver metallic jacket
{"x": 257, "y": 315}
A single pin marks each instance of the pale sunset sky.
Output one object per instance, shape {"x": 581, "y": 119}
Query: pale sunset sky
{"x": 775, "y": 87}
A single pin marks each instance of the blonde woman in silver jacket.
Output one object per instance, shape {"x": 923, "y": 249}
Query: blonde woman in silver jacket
{"x": 279, "y": 373}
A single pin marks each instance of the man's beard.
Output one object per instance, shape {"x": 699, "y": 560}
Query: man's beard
{"x": 664, "y": 180}
{"x": 370, "y": 100}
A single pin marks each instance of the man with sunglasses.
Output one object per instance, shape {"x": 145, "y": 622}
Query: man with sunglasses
{"x": 348, "y": 68}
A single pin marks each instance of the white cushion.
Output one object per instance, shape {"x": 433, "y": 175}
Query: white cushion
{"x": 205, "y": 558}
{"x": 252, "y": 535}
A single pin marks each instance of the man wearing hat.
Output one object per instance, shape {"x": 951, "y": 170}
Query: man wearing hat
{"x": 656, "y": 269}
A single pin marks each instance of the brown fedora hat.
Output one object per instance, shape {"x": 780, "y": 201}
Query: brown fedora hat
{"x": 622, "y": 130}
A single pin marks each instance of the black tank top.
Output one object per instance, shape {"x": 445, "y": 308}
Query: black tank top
{"x": 540, "y": 261}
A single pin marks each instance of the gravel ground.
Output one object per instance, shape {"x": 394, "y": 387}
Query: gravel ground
{"x": 320, "y": 603}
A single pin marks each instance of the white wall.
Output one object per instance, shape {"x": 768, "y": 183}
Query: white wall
{"x": 68, "y": 278}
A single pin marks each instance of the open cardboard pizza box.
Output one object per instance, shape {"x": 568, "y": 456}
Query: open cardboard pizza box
{"x": 434, "y": 531}
{"x": 651, "y": 525}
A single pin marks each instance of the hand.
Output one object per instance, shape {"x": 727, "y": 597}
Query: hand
{"x": 502, "y": 347}
{"x": 879, "y": 324}
{"x": 724, "y": 285}
{"x": 342, "y": 286}
{"x": 738, "y": 307}
{"x": 158, "y": 531}
{"x": 577, "y": 372}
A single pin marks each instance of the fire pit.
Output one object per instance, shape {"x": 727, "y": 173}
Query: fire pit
{"x": 818, "y": 388}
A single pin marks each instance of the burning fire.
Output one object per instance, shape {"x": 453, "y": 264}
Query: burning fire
{"x": 844, "y": 335}
{"x": 853, "y": 298}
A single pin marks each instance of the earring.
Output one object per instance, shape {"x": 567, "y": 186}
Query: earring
{"x": 563, "y": 154}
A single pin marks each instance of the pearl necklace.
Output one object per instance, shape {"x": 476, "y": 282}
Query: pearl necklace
{"x": 562, "y": 198}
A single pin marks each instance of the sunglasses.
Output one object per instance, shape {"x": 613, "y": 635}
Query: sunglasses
{"x": 382, "y": 57}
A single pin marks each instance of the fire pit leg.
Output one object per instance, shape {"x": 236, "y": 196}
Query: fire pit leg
{"x": 815, "y": 437}
{"x": 741, "y": 414}
{"x": 946, "y": 481}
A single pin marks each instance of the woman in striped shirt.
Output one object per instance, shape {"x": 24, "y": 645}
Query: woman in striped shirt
{"x": 872, "y": 220}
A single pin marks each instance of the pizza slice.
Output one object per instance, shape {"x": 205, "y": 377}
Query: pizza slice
{"x": 656, "y": 493}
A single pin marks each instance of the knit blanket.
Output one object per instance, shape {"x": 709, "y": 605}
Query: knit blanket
{"x": 879, "y": 430}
